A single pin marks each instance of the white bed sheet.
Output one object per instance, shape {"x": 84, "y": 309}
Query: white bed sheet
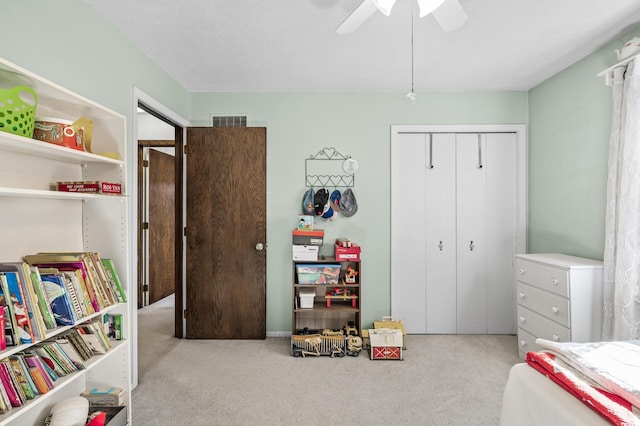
{"x": 531, "y": 399}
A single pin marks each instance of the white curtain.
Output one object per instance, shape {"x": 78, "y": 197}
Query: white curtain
{"x": 622, "y": 229}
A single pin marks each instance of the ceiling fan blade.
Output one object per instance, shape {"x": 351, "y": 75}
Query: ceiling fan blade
{"x": 450, "y": 15}
{"x": 366, "y": 9}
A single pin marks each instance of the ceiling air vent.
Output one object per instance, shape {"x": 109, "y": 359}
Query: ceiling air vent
{"x": 229, "y": 121}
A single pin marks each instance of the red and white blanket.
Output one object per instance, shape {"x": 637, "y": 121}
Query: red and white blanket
{"x": 603, "y": 375}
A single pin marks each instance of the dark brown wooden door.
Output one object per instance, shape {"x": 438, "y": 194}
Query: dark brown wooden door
{"x": 162, "y": 198}
{"x": 226, "y": 226}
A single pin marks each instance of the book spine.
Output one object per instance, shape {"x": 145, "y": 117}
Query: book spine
{"x": 12, "y": 393}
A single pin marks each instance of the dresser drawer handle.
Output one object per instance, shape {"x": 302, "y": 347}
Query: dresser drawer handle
{"x": 555, "y": 309}
{"x": 523, "y": 343}
{"x": 554, "y": 281}
{"x": 555, "y": 338}
{"x": 523, "y": 319}
{"x": 521, "y": 295}
{"x": 521, "y": 271}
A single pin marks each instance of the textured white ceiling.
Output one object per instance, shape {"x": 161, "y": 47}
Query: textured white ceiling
{"x": 291, "y": 45}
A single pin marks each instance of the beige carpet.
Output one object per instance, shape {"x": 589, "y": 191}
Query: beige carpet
{"x": 443, "y": 380}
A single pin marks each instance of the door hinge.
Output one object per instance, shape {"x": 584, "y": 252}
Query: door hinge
{"x": 145, "y": 163}
{"x": 185, "y": 231}
{"x": 184, "y": 150}
{"x": 145, "y": 287}
{"x": 184, "y": 313}
{"x": 145, "y": 225}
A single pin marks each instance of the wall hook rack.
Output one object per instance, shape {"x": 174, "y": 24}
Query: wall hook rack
{"x": 325, "y": 169}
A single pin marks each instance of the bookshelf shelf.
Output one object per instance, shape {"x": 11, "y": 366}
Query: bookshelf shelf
{"x": 342, "y": 309}
{"x": 36, "y": 219}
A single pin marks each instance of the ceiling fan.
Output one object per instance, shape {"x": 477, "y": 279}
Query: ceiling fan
{"x": 448, "y": 13}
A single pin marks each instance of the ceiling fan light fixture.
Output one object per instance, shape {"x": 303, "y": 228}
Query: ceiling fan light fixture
{"x": 428, "y": 6}
{"x": 384, "y": 6}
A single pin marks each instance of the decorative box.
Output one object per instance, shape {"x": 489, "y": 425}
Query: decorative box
{"x": 90, "y": 187}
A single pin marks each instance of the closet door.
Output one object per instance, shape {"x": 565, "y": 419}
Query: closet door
{"x": 501, "y": 225}
{"x": 471, "y": 189}
{"x": 408, "y": 260}
{"x": 440, "y": 235}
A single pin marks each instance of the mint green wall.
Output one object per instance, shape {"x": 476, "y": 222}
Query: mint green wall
{"x": 569, "y": 125}
{"x": 356, "y": 124}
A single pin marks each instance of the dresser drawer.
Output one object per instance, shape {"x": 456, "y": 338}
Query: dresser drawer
{"x": 546, "y": 277}
{"x": 526, "y": 343}
{"x": 550, "y": 305}
{"x": 542, "y": 327}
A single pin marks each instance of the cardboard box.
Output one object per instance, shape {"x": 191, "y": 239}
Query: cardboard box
{"x": 347, "y": 253}
{"x": 95, "y": 187}
{"x": 386, "y": 343}
{"x": 318, "y": 273}
{"x": 306, "y": 297}
{"x": 104, "y": 396}
{"x": 305, "y": 253}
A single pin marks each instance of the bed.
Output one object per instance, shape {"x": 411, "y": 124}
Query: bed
{"x": 575, "y": 384}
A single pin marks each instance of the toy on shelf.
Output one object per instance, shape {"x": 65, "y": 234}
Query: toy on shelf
{"x": 341, "y": 294}
{"x": 350, "y": 276}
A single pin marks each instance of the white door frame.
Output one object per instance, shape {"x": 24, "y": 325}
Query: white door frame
{"x": 132, "y": 174}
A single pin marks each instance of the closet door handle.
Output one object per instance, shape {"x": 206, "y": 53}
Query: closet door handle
{"x": 430, "y": 150}
{"x": 440, "y": 246}
{"x": 479, "y": 151}
{"x": 471, "y": 246}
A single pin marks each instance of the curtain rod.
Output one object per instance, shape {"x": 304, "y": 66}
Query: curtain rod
{"x": 608, "y": 73}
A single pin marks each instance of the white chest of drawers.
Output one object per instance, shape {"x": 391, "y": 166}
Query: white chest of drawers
{"x": 559, "y": 298}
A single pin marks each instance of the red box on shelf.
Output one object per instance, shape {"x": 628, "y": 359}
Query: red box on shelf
{"x": 95, "y": 187}
{"x": 348, "y": 253}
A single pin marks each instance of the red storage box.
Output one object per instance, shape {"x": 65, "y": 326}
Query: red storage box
{"x": 90, "y": 187}
{"x": 348, "y": 253}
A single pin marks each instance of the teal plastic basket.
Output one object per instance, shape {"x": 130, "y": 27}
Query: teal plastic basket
{"x": 18, "y": 110}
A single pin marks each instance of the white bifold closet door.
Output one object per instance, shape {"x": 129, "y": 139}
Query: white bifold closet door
{"x": 454, "y": 232}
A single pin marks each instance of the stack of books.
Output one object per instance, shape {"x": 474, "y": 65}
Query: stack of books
{"x": 49, "y": 290}
{"x": 34, "y": 371}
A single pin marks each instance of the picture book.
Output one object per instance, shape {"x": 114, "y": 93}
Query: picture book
{"x": 11, "y": 338}
{"x": 20, "y": 312}
{"x": 111, "y": 268}
{"x": 38, "y": 327}
{"x": 9, "y": 386}
{"x": 21, "y": 375}
{"x": 58, "y": 298}
{"x": 42, "y": 300}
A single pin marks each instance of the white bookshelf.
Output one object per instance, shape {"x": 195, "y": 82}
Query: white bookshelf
{"x": 33, "y": 218}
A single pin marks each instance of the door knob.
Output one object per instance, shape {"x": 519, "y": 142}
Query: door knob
{"x": 259, "y": 246}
